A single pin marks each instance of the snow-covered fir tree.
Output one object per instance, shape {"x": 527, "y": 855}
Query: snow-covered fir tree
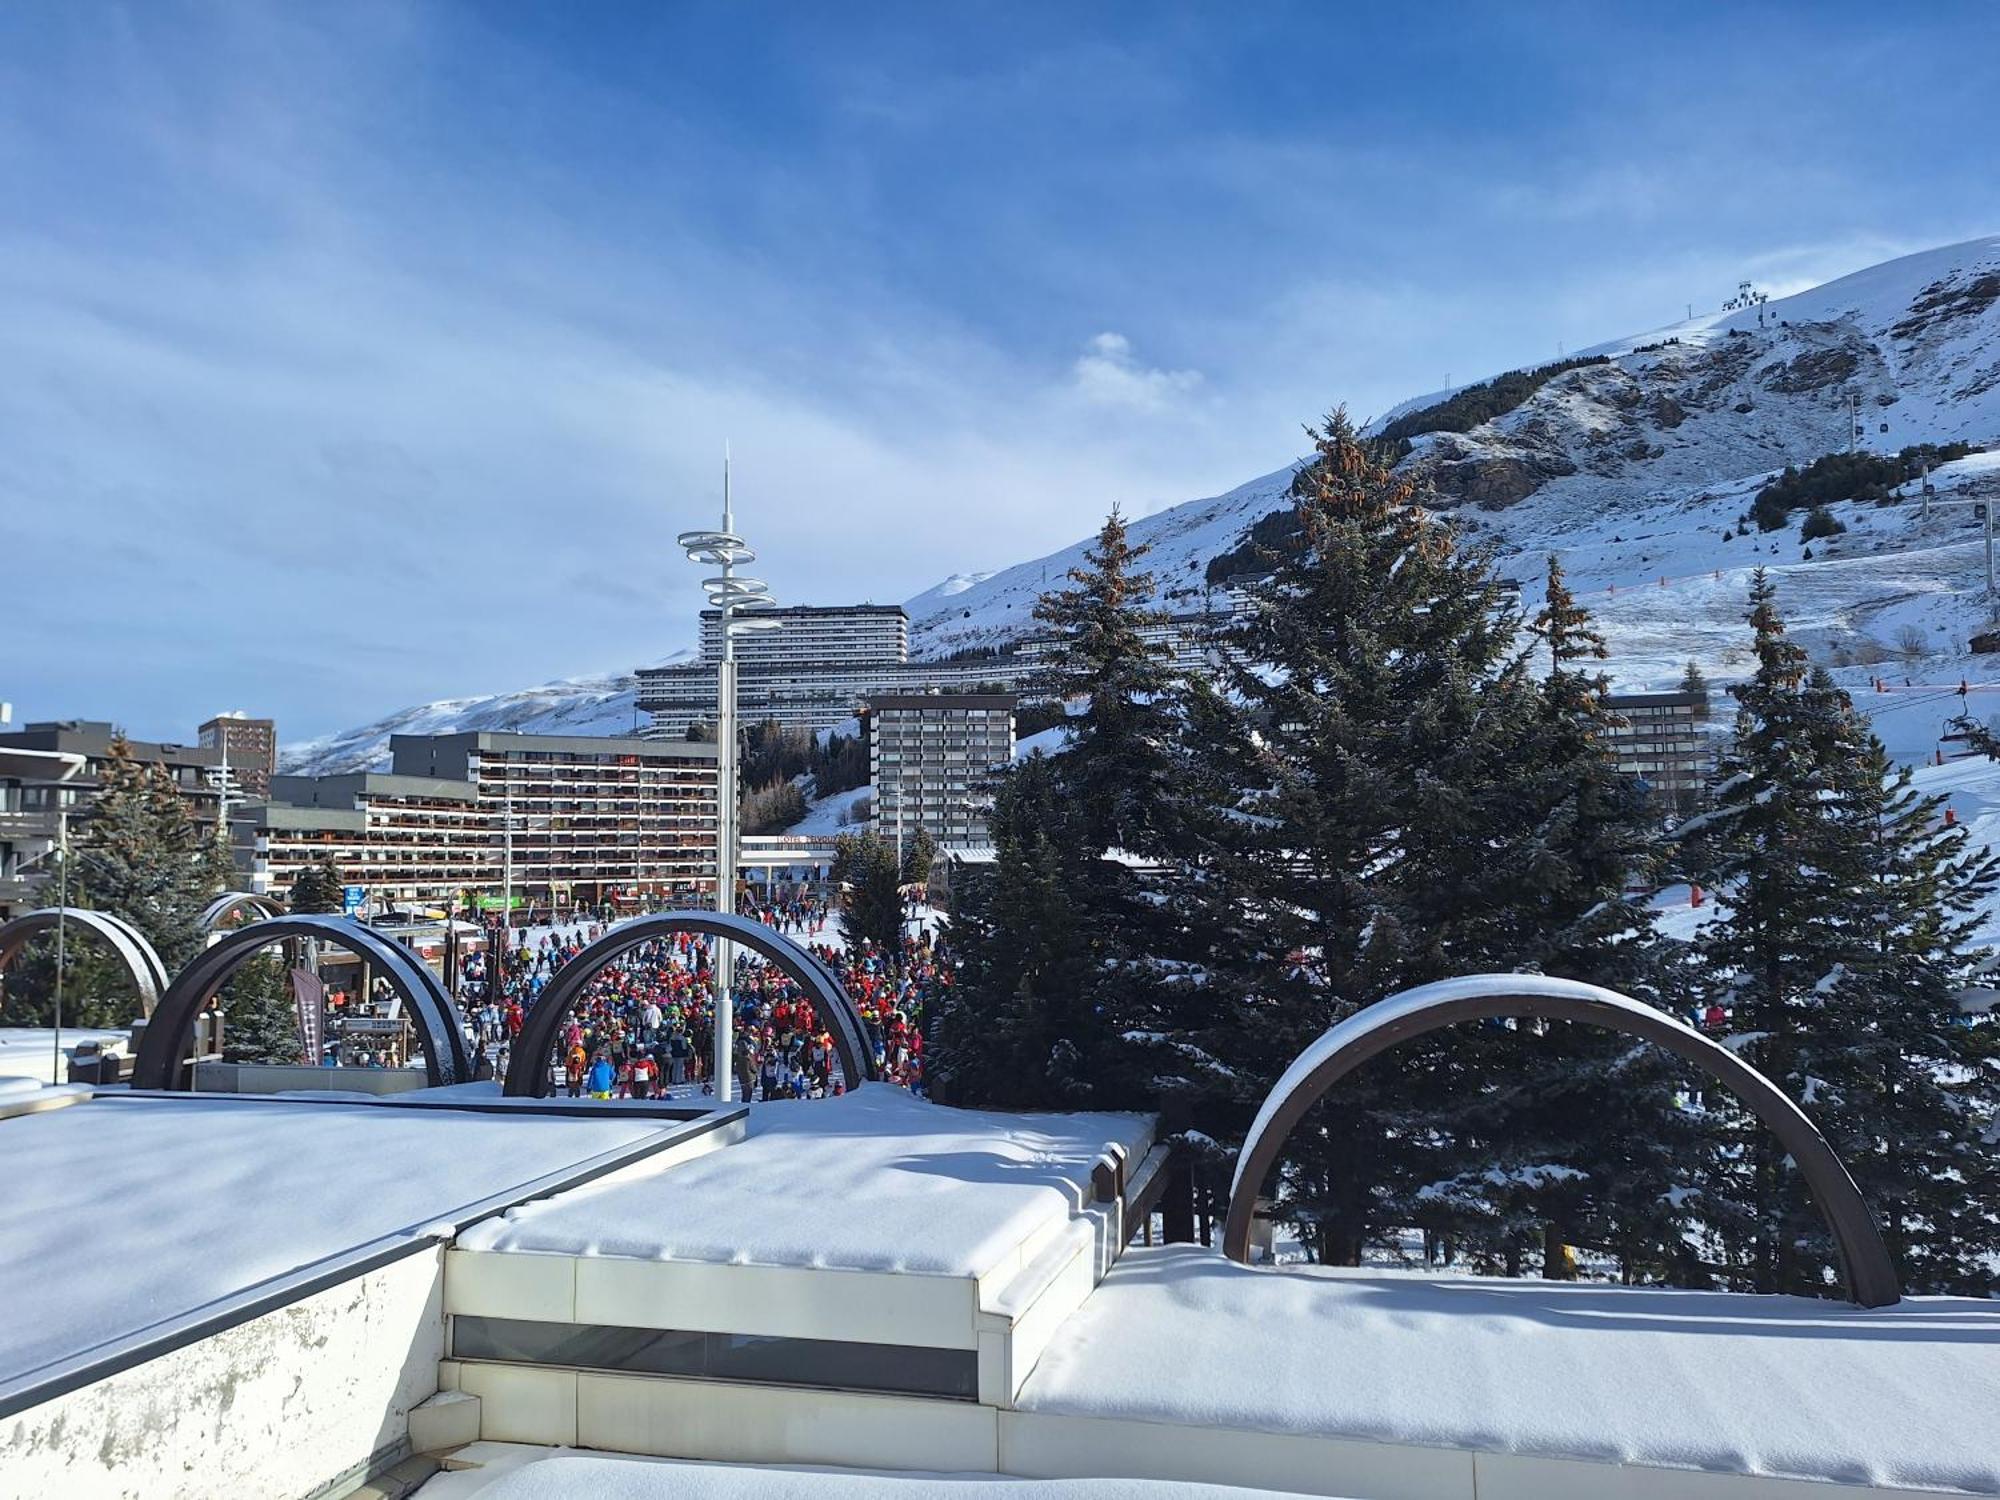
{"x": 1359, "y": 762}
{"x": 1059, "y": 981}
{"x": 1845, "y": 906}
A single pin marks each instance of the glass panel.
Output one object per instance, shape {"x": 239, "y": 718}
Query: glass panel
{"x": 837, "y": 1364}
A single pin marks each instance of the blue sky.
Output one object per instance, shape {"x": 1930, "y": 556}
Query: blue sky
{"x": 365, "y": 354}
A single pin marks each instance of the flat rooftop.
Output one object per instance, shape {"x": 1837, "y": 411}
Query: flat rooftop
{"x": 566, "y": 1476}
{"x": 1724, "y": 1382}
{"x": 129, "y": 1216}
{"x": 875, "y": 1180}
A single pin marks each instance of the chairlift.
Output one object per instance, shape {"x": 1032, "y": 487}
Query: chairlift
{"x": 1953, "y": 744}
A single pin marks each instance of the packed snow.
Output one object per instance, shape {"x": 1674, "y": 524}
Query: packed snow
{"x": 1716, "y": 1381}
{"x": 30, "y": 1052}
{"x": 566, "y": 1476}
{"x": 944, "y": 1192}
{"x": 123, "y": 1213}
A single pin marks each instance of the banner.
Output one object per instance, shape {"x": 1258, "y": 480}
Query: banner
{"x": 309, "y": 995}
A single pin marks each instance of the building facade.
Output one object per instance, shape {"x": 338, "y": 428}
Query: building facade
{"x": 817, "y": 695}
{"x": 253, "y": 750}
{"x": 931, "y": 759}
{"x": 556, "y": 820}
{"x": 1662, "y": 740}
{"x": 815, "y": 633}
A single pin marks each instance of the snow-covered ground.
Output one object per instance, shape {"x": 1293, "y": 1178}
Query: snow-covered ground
{"x": 945, "y": 1192}
{"x": 123, "y": 1213}
{"x": 833, "y": 813}
{"x": 29, "y": 1052}
{"x": 1714, "y": 1381}
{"x": 576, "y": 1476}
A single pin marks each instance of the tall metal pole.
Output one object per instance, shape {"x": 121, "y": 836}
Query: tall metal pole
{"x": 507, "y": 853}
{"x": 727, "y": 593}
{"x": 725, "y": 811}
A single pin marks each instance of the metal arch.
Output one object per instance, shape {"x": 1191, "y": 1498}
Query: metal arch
{"x": 230, "y": 902}
{"x": 141, "y": 961}
{"x": 528, "y": 1065}
{"x": 1865, "y": 1264}
{"x": 164, "y": 1047}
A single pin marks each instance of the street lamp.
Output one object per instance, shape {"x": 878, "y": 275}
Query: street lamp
{"x": 727, "y": 593}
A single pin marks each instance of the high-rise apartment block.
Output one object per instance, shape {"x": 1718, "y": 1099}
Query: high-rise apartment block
{"x": 932, "y": 757}
{"x": 253, "y": 750}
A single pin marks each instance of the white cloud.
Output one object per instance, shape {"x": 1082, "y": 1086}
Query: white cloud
{"x": 1108, "y": 374}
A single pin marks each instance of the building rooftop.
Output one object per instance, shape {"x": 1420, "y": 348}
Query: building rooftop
{"x": 875, "y": 1180}
{"x": 135, "y": 1216}
{"x": 578, "y": 1476}
{"x": 1722, "y": 1382}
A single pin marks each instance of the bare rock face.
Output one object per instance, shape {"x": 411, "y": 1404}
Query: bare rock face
{"x": 1815, "y": 370}
{"x": 1496, "y": 483}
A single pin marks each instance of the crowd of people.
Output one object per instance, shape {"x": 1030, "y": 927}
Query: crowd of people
{"x": 645, "y": 1024}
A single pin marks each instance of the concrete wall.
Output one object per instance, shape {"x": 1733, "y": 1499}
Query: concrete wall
{"x": 278, "y": 1078}
{"x": 280, "y": 1406}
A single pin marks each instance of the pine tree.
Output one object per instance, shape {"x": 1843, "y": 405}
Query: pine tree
{"x": 1846, "y": 908}
{"x": 1359, "y": 765}
{"x": 871, "y": 903}
{"x": 1062, "y": 974}
{"x": 137, "y": 854}
{"x": 1119, "y": 760}
{"x": 317, "y": 889}
{"x": 1017, "y": 1028}
{"x": 141, "y": 856}
{"x": 919, "y": 851}
{"x": 1581, "y": 1124}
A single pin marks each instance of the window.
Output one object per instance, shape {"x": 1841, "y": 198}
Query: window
{"x": 829, "y": 1363}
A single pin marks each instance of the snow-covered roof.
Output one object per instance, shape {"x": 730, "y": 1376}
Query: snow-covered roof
{"x": 1706, "y": 1380}
{"x": 876, "y": 1180}
{"x": 574, "y": 1476}
{"x": 124, "y": 1214}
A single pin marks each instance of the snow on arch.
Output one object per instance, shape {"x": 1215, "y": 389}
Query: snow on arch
{"x": 1870, "y": 1274}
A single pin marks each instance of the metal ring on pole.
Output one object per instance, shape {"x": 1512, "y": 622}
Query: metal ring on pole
{"x": 528, "y": 1064}
{"x": 164, "y": 1047}
{"x": 126, "y": 942}
{"x": 230, "y": 902}
{"x": 1864, "y": 1260}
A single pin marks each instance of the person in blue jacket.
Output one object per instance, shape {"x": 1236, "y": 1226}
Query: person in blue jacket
{"x": 601, "y": 1078}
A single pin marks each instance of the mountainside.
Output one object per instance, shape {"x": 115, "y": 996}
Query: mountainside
{"x": 1668, "y": 433}
{"x": 575, "y": 705}
{"x": 1639, "y": 461}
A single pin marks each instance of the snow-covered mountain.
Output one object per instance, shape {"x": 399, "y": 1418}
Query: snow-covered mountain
{"x": 574, "y": 705}
{"x": 1635, "y": 463}
{"x": 1638, "y": 465}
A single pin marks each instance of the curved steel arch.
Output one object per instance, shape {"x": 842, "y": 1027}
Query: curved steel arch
{"x": 230, "y": 902}
{"x": 528, "y": 1065}
{"x": 164, "y": 1046}
{"x": 1864, "y": 1260}
{"x": 149, "y": 974}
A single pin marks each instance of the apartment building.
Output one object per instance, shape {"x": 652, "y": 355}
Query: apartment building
{"x": 36, "y": 788}
{"x": 253, "y": 750}
{"x": 560, "y": 818}
{"x": 1661, "y": 739}
{"x": 931, "y": 757}
{"x": 196, "y": 773}
{"x": 815, "y": 633}
{"x": 816, "y": 695}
